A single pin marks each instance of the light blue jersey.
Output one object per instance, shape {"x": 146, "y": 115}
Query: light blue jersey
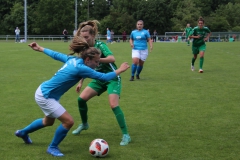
{"x": 71, "y": 72}
{"x": 108, "y": 33}
{"x": 140, "y": 39}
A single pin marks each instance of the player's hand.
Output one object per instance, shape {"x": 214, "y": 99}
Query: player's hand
{"x": 35, "y": 46}
{"x": 151, "y": 48}
{"x": 124, "y": 66}
{"x": 78, "y": 88}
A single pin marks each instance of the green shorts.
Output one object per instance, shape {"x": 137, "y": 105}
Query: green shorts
{"x": 196, "y": 50}
{"x": 112, "y": 87}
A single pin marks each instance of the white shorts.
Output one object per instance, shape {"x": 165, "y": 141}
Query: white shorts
{"x": 108, "y": 38}
{"x": 140, "y": 54}
{"x": 50, "y": 107}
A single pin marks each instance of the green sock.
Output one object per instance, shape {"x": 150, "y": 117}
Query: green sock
{"x": 188, "y": 42}
{"x": 201, "y": 62}
{"x": 120, "y": 118}
{"x": 193, "y": 61}
{"x": 83, "y": 109}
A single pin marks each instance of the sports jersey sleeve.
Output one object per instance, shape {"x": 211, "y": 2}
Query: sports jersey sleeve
{"x": 208, "y": 30}
{"x": 131, "y": 35}
{"x": 148, "y": 35}
{"x": 56, "y": 55}
{"x": 104, "y": 49}
{"x": 191, "y": 32}
{"x": 86, "y": 72}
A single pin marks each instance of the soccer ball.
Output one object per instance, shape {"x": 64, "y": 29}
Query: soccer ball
{"x": 99, "y": 148}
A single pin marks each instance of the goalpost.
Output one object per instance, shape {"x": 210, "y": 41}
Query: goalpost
{"x": 175, "y": 37}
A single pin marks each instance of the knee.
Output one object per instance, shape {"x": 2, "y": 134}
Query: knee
{"x": 68, "y": 124}
{"x": 48, "y": 123}
{"x": 81, "y": 102}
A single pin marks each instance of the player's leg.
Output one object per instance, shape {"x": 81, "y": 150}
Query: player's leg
{"x": 195, "y": 52}
{"x": 143, "y": 57}
{"x": 201, "y": 54}
{"x": 188, "y": 40}
{"x": 135, "y": 61}
{"x": 61, "y": 132}
{"x": 86, "y": 94}
{"x": 114, "y": 90}
{"x": 47, "y": 108}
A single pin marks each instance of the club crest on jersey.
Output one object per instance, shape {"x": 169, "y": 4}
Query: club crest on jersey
{"x": 138, "y": 37}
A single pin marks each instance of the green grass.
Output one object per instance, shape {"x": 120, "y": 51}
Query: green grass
{"x": 172, "y": 113}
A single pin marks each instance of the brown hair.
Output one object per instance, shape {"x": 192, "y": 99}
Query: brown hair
{"x": 88, "y": 26}
{"x": 80, "y": 47}
{"x": 201, "y": 19}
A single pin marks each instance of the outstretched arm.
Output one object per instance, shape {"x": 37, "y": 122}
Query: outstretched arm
{"x": 55, "y": 55}
{"x": 36, "y": 47}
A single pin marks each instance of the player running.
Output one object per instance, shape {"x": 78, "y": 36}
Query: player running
{"x": 198, "y": 46}
{"x": 187, "y": 32}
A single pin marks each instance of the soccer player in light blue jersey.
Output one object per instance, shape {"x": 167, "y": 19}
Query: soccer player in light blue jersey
{"x": 138, "y": 41}
{"x": 108, "y": 36}
{"x": 49, "y": 92}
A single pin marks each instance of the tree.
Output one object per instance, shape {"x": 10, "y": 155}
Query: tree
{"x": 228, "y": 14}
{"x": 186, "y": 12}
{"x": 156, "y": 14}
{"x": 52, "y": 16}
{"x": 15, "y": 18}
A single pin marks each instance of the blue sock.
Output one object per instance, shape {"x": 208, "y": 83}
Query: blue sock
{"x": 139, "y": 69}
{"x": 60, "y": 134}
{"x": 134, "y": 68}
{"x": 35, "y": 125}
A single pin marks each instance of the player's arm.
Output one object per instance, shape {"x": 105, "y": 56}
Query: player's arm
{"x": 183, "y": 33}
{"x": 196, "y": 37}
{"x": 109, "y": 58}
{"x": 148, "y": 36}
{"x": 208, "y": 36}
{"x": 191, "y": 35}
{"x": 79, "y": 86}
{"x": 131, "y": 40}
{"x": 87, "y": 72}
{"x": 150, "y": 44}
{"x": 55, "y": 55}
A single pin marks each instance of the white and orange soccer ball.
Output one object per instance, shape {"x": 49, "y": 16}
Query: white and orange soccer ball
{"x": 99, "y": 148}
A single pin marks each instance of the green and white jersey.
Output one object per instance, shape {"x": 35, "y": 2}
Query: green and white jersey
{"x": 188, "y": 31}
{"x": 104, "y": 67}
{"x": 202, "y": 32}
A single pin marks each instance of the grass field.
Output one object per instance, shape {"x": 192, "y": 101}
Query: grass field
{"x": 172, "y": 113}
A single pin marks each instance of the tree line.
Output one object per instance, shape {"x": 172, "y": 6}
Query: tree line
{"x": 50, "y": 17}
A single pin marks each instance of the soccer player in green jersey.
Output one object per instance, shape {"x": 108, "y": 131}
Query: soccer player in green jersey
{"x": 187, "y": 32}
{"x": 89, "y": 31}
{"x": 198, "y": 46}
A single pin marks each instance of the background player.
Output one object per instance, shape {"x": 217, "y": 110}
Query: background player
{"x": 138, "y": 41}
{"x": 186, "y": 32}
{"x": 198, "y": 46}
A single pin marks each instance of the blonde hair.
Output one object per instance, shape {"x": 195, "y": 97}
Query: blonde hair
{"x": 80, "y": 47}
